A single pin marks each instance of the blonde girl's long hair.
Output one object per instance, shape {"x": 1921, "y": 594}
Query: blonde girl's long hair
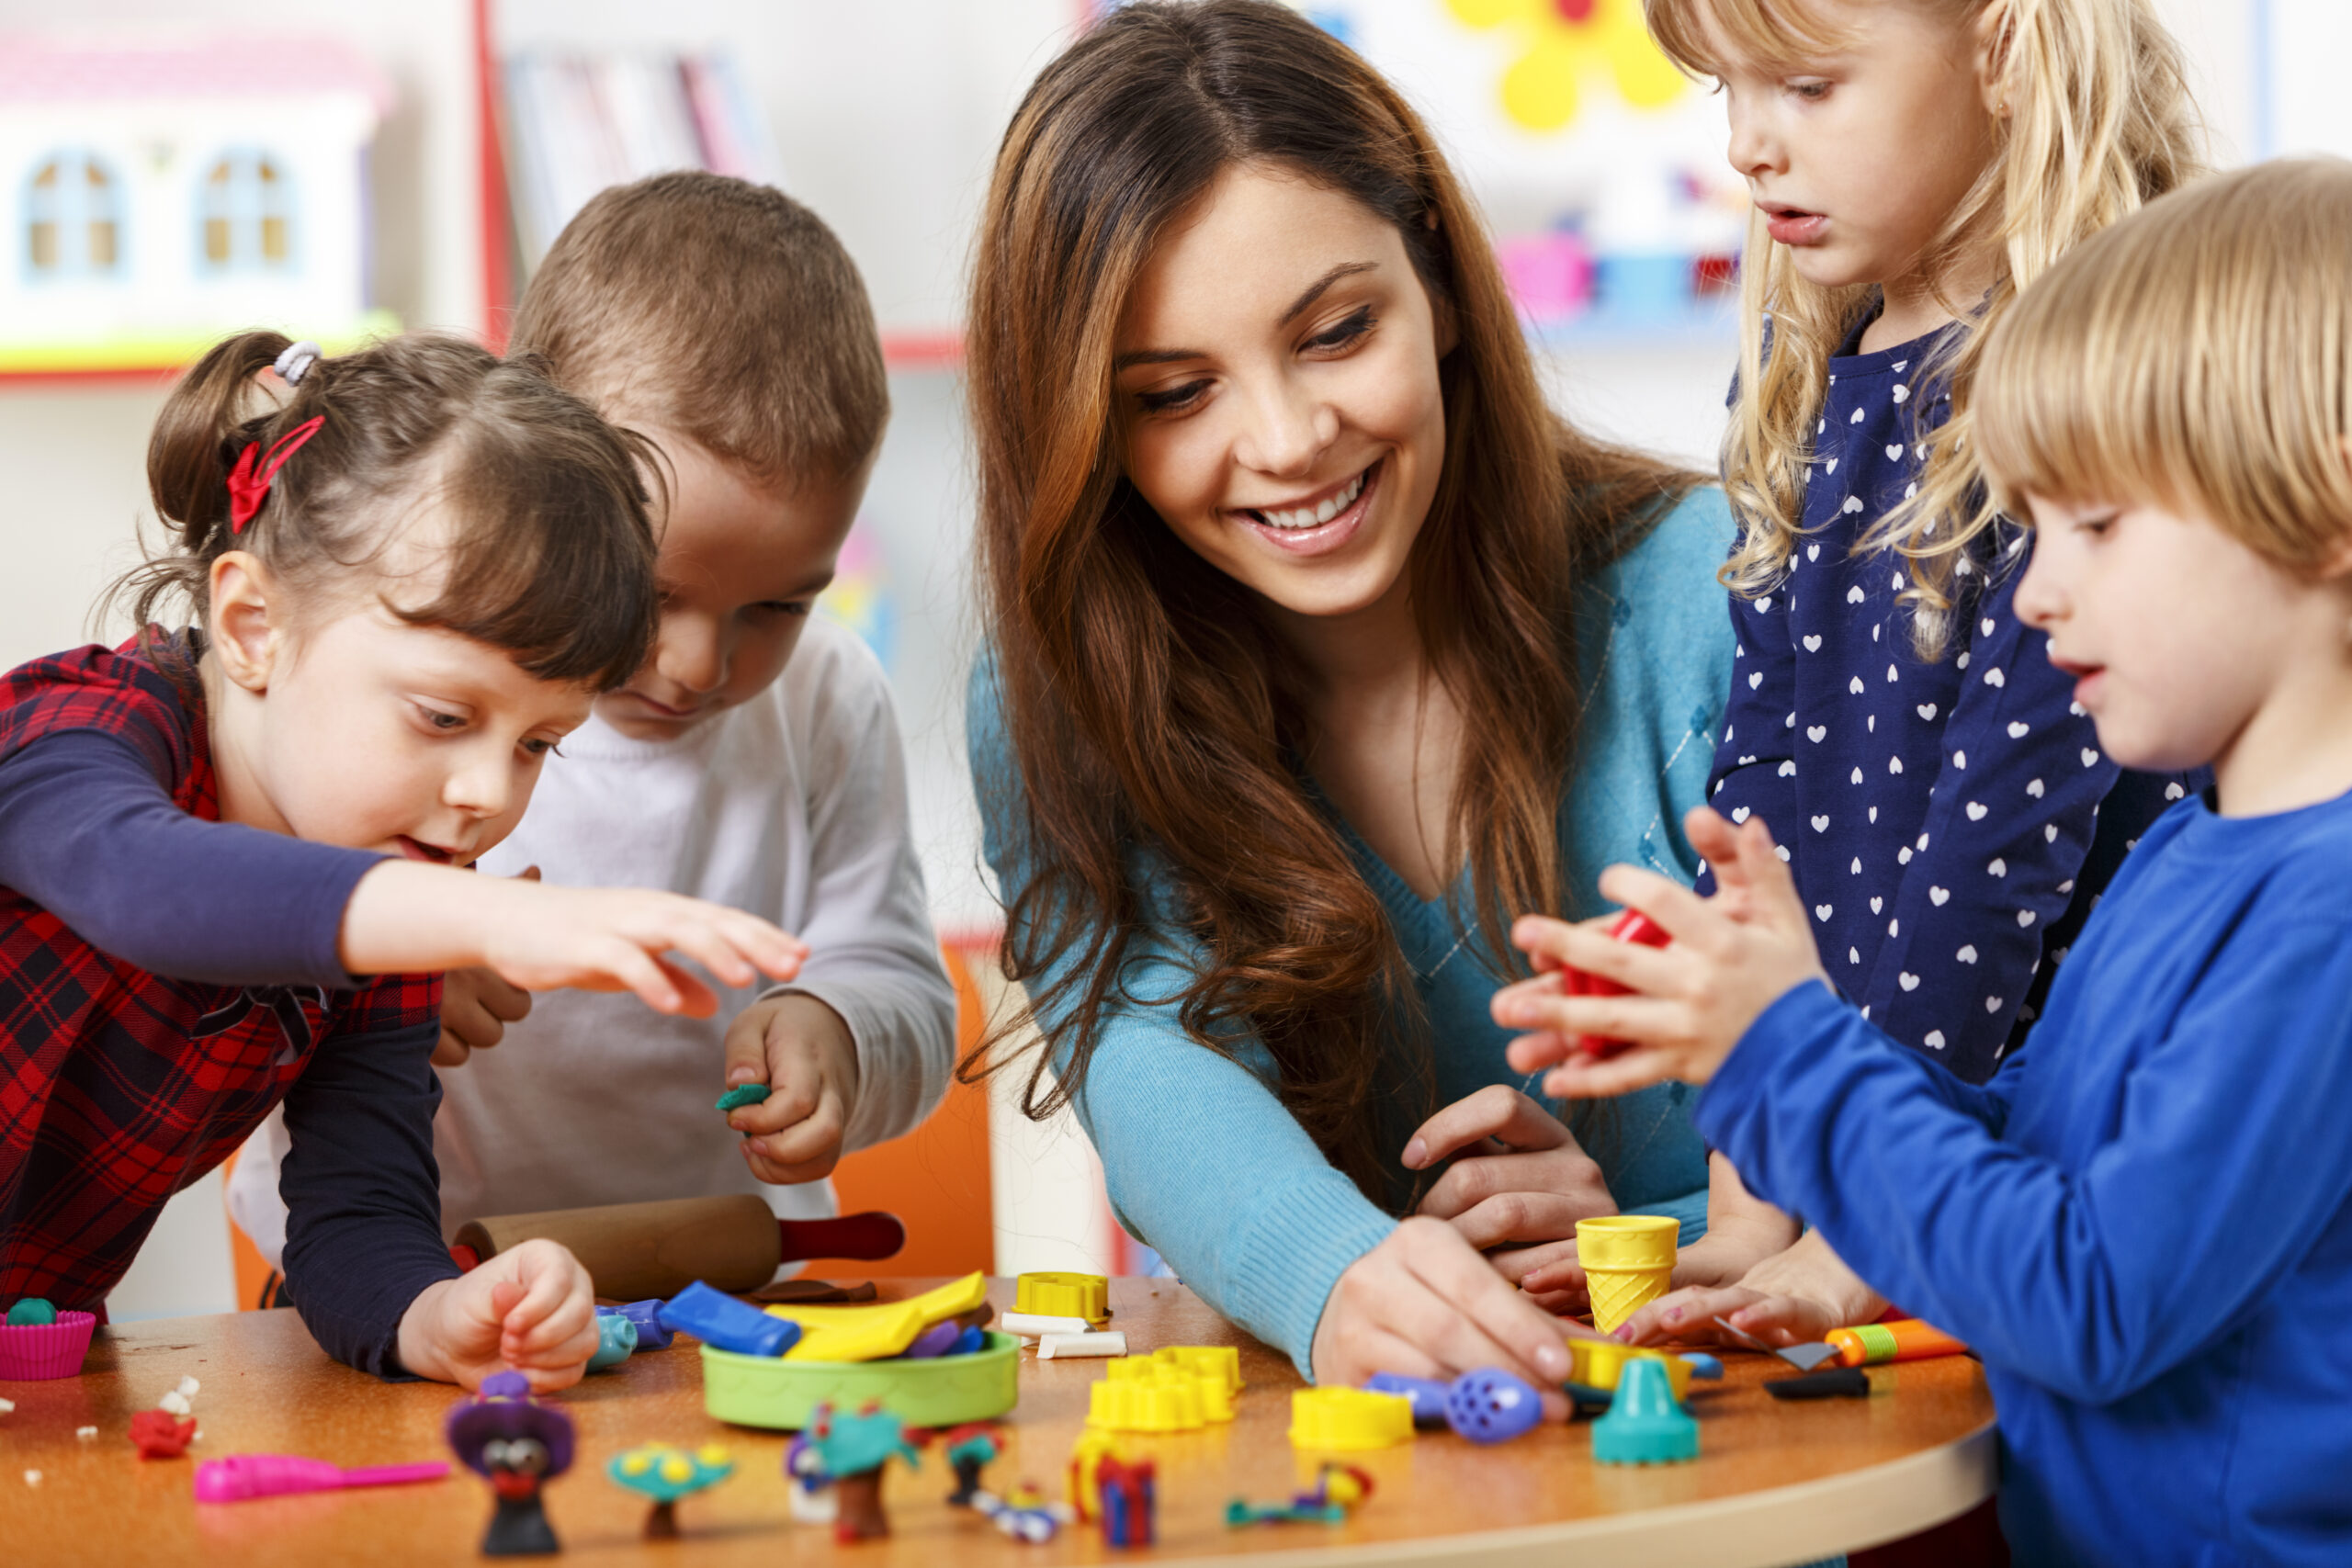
{"x": 2099, "y": 120}
{"x": 2238, "y": 410}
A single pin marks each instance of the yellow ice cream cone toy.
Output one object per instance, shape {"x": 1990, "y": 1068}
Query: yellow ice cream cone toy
{"x": 1628, "y": 1262}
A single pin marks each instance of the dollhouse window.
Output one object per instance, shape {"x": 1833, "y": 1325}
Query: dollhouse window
{"x": 73, "y": 219}
{"x": 246, "y": 208}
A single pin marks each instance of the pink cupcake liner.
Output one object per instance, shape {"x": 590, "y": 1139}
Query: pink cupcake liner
{"x": 34, "y": 1352}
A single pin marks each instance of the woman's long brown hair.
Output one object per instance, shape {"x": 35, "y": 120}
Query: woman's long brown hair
{"x": 1144, "y": 691}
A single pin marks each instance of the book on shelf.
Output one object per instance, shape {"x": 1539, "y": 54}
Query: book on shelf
{"x": 576, "y": 123}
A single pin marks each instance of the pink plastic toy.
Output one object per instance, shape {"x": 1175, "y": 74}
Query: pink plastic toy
{"x": 1631, "y": 926}
{"x": 241, "y": 1476}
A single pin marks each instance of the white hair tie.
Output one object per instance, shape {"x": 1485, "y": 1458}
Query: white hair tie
{"x": 296, "y": 362}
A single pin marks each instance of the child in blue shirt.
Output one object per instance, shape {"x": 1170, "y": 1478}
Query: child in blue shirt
{"x": 2144, "y": 1224}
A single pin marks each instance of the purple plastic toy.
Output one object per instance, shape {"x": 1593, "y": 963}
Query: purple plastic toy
{"x": 1490, "y": 1405}
{"x": 652, "y": 1334}
{"x": 1427, "y": 1395}
{"x": 241, "y": 1477}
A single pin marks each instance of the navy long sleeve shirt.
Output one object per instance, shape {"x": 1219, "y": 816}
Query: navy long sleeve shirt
{"x": 1944, "y": 819}
{"x": 2144, "y": 1224}
{"x": 165, "y": 979}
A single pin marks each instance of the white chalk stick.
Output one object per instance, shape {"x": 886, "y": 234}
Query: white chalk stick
{"x": 1032, "y": 1325}
{"x": 1065, "y": 1346}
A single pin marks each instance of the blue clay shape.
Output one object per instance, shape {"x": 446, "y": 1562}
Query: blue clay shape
{"x": 718, "y": 1319}
{"x": 616, "y": 1337}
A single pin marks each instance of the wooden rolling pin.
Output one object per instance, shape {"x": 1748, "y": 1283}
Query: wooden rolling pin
{"x": 634, "y": 1251}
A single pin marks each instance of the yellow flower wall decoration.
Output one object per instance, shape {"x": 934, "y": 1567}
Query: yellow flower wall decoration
{"x": 1566, "y": 41}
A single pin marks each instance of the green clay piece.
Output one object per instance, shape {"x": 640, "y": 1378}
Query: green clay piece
{"x": 32, "y": 1312}
{"x": 743, "y": 1094}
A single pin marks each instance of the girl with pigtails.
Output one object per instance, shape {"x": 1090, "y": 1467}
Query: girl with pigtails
{"x": 233, "y": 857}
{"x": 1944, "y": 803}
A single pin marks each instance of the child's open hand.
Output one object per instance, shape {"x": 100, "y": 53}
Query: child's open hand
{"x": 530, "y": 1307}
{"x": 1732, "y": 957}
{"x": 804, "y": 1053}
{"x": 476, "y": 1007}
{"x": 1794, "y": 1297}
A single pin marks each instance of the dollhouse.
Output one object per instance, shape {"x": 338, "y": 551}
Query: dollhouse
{"x": 156, "y": 196}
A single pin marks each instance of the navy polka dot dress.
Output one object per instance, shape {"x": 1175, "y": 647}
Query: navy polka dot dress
{"x": 1944, "y": 819}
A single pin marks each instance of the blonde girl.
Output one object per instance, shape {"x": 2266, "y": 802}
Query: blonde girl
{"x": 1948, "y": 813}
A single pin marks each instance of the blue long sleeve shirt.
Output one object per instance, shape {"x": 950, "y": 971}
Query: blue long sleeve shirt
{"x": 1949, "y": 823}
{"x": 2144, "y": 1224}
{"x": 1201, "y": 1157}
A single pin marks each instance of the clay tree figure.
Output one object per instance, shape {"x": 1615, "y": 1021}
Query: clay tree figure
{"x": 665, "y": 1475}
{"x": 519, "y": 1445}
{"x": 853, "y": 1448}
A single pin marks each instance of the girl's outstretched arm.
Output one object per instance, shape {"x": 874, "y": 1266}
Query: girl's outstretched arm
{"x": 406, "y": 917}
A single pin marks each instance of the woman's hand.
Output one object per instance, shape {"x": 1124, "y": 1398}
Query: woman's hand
{"x": 1794, "y": 1297}
{"x": 1733, "y": 956}
{"x": 1523, "y": 1180}
{"x": 531, "y": 1308}
{"x": 406, "y": 917}
{"x": 1424, "y": 1304}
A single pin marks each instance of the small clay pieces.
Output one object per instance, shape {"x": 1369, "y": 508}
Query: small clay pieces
{"x": 159, "y": 1434}
{"x": 1128, "y": 1507}
{"x": 1427, "y": 1395}
{"x": 616, "y": 1338}
{"x": 970, "y": 1448}
{"x": 1023, "y": 1515}
{"x": 652, "y": 1334}
{"x": 743, "y": 1094}
{"x": 937, "y": 1340}
{"x": 1338, "y": 1488}
{"x": 814, "y": 1293}
{"x": 1702, "y": 1365}
{"x": 1342, "y": 1419}
{"x": 1034, "y": 1325}
{"x": 519, "y": 1445}
{"x": 32, "y": 1312}
{"x": 717, "y": 1318}
{"x": 853, "y": 1450}
{"x": 665, "y": 1475}
{"x": 1071, "y": 1347}
{"x": 1491, "y": 1405}
{"x": 1645, "y": 1426}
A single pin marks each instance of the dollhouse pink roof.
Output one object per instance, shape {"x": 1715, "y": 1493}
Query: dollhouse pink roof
{"x": 36, "y": 70}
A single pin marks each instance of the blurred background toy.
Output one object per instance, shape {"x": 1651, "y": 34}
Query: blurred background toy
{"x": 237, "y": 1478}
{"x": 1128, "y": 1505}
{"x": 1338, "y": 1489}
{"x": 666, "y": 1475}
{"x": 854, "y": 1449}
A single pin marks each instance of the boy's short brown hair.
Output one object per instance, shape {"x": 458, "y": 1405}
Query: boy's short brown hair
{"x": 720, "y": 309}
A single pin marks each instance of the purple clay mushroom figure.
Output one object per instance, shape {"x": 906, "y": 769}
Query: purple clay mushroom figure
{"x": 519, "y": 1445}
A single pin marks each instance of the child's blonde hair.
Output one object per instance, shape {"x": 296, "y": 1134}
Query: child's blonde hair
{"x": 2098, "y": 121}
{"x": 2197, "y": 357}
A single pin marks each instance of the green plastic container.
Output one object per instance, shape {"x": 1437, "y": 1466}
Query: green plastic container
{"x": 768, "y": 1390}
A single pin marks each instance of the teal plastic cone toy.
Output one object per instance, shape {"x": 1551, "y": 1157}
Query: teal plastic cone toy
{"x": 1645, "y": 1426}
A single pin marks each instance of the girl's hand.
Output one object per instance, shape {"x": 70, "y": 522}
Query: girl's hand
{"x": 409, "y": 918}
{"x": 1524, "y": 1180}
{"x": 530, "y": 1307}
{"x": 1424, "y": 1304}
{"x": 804, "y": 1053}
{"x": 1731, "y": 956}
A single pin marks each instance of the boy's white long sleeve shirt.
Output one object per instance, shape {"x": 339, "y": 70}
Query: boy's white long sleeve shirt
{"x": 792, "y": 806}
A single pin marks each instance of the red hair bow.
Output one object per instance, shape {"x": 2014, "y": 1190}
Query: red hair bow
{"x": 250, "y": 481}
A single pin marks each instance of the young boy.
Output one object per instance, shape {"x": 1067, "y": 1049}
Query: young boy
{"x": 2144, "y": 1224}
{"x": 753, "y": 759}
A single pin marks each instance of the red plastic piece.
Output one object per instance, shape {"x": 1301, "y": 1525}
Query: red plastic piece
{"x": 161, "y": 1435}
{"x": 1631, "y": 926}
{"x": 465, "y": 1258}
{"x": 866, "y": 1237}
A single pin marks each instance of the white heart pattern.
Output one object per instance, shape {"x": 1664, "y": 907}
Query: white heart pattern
{"x": 2091, "y": 758}
{"x": 1938, "y": 896}
{"x": 1993, "y": 1004}
{"x": 1928, "y": 712}
{"x": 2049, "y": 832}
{"x": 1755, "y": 680}
{"x": 1854, "y": 595}
{"x": 2025, "y": 918}
{"x": 1935, "y": 1039}
{"x": 1994, "y": 677}
{"x": 1816, "y": 732}
{"x": 1788, "y": 770}
{"x": 1894, "y": 764}
{"x": 2000, "y": 868}
{"x": 1822, "y": 911}
{"x": 1813, "y": 552}
{"x": 1764, "y": 605}
{"x": 1976, "y": 811}
{"x": 1877, "y": 905}
{"x": 1813, "y": 644}
{"x": 1856, "y": 777}
{"x": 1832, "y": 466}
{"x": 1967, "y": 955}
{"x": 1857, "y": 418}
{"x": 1903, "y": 855}
{"x": 1739, "y": 814}
{"x": 1853, "y": 505}
{"x": 1907, "y": 981}
{"x": 1960, "y": 760}
{"x": 1985, "y": 625}
{"x": 2034, "y": 789}
{"x": 1821, "y": 824}
{"x": 1855, "y": 686}
{"x": 1893, "y": 452}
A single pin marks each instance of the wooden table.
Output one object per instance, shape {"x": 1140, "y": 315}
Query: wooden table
{"x": 1776, "y": 1483}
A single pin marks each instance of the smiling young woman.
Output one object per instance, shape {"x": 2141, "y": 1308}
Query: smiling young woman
{"x": 1317, "y": 646}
